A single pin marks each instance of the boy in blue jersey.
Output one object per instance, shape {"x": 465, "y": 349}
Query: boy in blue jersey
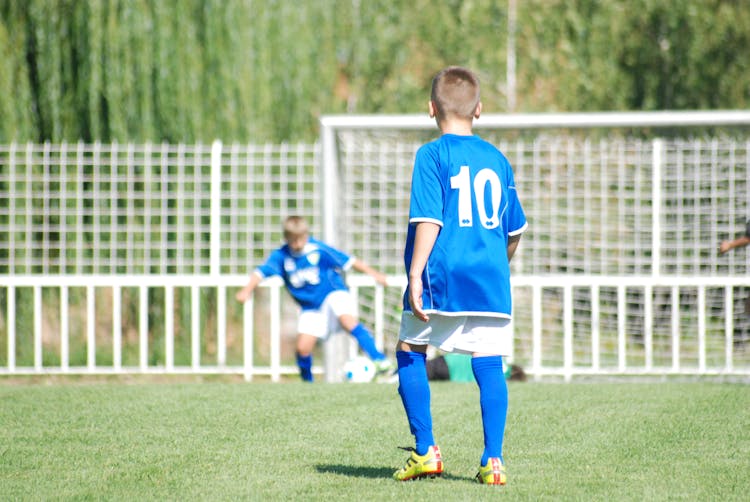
{"x": 312, "y": 272}
{"x": 465, "y": 222}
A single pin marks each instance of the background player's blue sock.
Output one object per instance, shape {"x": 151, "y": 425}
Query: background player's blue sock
{"x": 493, "y": 399}
{"x": 414, "y": 390}
{"x": 367, "y": 342}
{"x": 305, "y": 367}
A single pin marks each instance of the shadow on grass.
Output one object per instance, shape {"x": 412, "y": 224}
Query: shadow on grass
{"x": 359, "y": 471}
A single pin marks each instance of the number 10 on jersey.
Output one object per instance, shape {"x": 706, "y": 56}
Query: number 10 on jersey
{"x": 463, "y": 183}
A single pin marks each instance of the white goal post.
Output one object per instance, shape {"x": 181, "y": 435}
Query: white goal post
{"x": 618, "y": 273}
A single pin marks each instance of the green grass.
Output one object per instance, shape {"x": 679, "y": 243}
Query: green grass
{"x": 262, "y": 441}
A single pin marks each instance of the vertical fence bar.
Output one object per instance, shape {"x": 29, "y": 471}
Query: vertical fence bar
{"x": 143, "y": 328}
{"x": 380, "y": 316}
{"x": 621, "y": 328}
{"x": 114, "y": 200}
{"x": 63, "y": 194}
{"x": 195, "y": 326}
{"x": 675, "y": 329}
{"x": 648, "y": 326}
{"x": 595, "y": 331}
{"x": 79, "y": 208}
{"x": 247, "y": 338}
{"x": 38, "y": 328}
{"x": 164, "y": 205}
{"x": 221, "y": 325}
{"x": 117, "y": 328}
{"x": 728, "y": 327}
{"x": 148, "y": 193}
{"x": 64, "y": 330}
{"x": 169, "y": 328}
{"x": 568, "y": 331}
{"x": 536, "y": 329}
{"x": 28, "y": 208}
{"x": 329, "y": 183}
{"x": 215, "y": 251}
{"x": 701, "y": 329}
{"x": 90, "y": 328}
{"x": 11, "y": 328}
{"x": 656, "y": 195}
{"x": 11, "y": 235}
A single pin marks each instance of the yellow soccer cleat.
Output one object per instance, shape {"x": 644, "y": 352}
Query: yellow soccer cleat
{"x": 421, "y": 466}
{"x": 493, "y": 473}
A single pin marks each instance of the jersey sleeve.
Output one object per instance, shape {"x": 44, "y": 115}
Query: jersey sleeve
{"x": 427, "y": 192}
{"x": 747, "y": 228}
{"x": 274, "y": 265}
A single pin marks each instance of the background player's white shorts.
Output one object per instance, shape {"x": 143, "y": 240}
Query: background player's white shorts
{"x": 463, "y": 334}
{"x": 321, "y": 323}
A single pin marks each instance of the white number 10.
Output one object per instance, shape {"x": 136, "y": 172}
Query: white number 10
{"x": 462, "y": 182}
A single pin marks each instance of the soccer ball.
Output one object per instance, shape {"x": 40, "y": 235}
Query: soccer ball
{"x": 359, "y": 370}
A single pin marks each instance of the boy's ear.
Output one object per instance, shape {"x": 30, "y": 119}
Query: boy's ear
{"x": 478, "y": 111}
{"x": 431, "y": 107}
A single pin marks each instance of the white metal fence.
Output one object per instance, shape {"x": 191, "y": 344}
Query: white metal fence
{"x": 125, "y": 258}
{"x": 686, "y": 336}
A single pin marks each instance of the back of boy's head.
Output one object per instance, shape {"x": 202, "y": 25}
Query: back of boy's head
{"x": 455, "y": 93}
{"x": 295, "y": 225}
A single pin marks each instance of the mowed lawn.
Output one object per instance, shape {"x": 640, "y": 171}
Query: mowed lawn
{"x": 219, "y": 440}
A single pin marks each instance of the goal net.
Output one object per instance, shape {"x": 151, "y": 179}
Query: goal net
{"x": 644, "y": 196}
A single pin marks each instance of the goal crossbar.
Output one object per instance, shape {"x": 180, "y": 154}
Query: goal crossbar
{"x": 550, "y": 120}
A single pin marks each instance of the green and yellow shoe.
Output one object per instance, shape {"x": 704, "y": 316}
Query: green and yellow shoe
{"x": 384, "y": 370}
{"x": 493, "y": 473}
{"x": 421, "y": 466}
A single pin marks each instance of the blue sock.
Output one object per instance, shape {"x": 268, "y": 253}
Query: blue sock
{"x": 305, "y": 367}
{"x": 414, "y": 390}
{"x": 493, "y": 399}
{"x": 367, "y": 343}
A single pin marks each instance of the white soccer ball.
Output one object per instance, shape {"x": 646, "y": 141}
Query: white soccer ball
{"x": 359, "y": 370}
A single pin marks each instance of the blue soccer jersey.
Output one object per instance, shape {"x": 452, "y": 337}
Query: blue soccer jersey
{"x": 465, "y": 185}
{"x": 310, "y": 275}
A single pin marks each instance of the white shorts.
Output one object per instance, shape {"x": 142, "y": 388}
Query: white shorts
{"x": 462, "y": 334}
{"x": 323, "y": 322}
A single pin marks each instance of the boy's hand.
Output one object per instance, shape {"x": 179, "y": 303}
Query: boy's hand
{"x": 242, "y": 295}
{"x": 380, "y": 278}
{"x": 415, "y": 300}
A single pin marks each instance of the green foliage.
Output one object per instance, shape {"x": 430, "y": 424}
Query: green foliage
{"x": 293, "y": 441}
{"x": 196, "y": 70}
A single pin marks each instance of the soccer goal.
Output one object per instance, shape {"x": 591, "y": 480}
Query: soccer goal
{"x": 618, "y": 272}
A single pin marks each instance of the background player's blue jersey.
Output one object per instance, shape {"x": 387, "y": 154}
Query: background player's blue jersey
{"x": 465, "y": 185}
{"x": 310, "y": 275}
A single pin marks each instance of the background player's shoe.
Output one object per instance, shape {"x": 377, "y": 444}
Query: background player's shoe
{"x": 493, "y": 473}
{"x": 420, "y": 466}
{"x": 383, "y": 369}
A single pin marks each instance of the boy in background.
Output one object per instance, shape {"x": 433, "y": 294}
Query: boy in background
{"x": 312, "y": 272}
{"x": 465, "y": 222}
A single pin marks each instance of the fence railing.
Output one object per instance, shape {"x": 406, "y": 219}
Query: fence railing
{"x": 556, "y": 334}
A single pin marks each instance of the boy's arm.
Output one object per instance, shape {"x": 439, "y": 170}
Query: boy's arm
{"x": 363, "y": 267}
{"x": 245, "y": 293}
{"x": 736, "y": 243}
{"x": 424, "y": 239}
{"x": 513, "y": 241}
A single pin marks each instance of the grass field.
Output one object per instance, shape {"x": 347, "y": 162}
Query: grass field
{"x": 261, "y": 441}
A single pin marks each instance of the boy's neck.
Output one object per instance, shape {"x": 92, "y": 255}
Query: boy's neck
{"x": 457, "y": 127}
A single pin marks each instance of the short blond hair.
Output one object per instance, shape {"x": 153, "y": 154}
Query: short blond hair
{"x": 455, "y": 93}
{"x": 295, "y": 225}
